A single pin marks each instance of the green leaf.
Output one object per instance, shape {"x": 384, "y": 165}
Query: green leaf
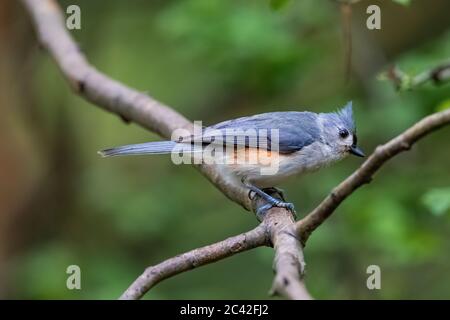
{"x": 278, "y": 4}
{"x": 403, "y": 2}
{"x": 437, "y": 201}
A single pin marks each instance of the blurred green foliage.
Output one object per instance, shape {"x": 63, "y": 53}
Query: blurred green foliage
{"x": 403, "y": 2}
{"x": 278, "y": 4}
{"x": 437, "y": 200}
{"x": 213, "y": 60}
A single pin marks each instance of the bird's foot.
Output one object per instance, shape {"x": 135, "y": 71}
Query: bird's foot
{"x": 269, "y": 199}
{"x": 262, "y": 210}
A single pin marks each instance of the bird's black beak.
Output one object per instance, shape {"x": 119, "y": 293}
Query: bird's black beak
{"x": 356, "y": 151}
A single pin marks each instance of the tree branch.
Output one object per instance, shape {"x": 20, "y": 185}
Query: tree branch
{"x": 364, "y": 174}
{"x": 403, "y": 81}
{"x": 142, "y": 109}
{"x": 111, "y": 95}
{"x": 289, "y": 264}
{"x": 195, "y": 258}
{"x": 277, "y": 229}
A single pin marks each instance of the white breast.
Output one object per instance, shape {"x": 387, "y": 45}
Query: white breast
{"x": 308, "y": 159}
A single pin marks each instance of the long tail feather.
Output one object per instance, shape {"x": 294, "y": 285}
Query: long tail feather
{"x": 159, "y": 147}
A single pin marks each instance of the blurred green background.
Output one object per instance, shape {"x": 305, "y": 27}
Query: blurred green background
{"x": 61, "y": 204}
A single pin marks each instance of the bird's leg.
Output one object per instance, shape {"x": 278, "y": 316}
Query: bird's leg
{"x": 271, "y": 201}
{"x": 269, "y": 191}
{"x": 278, "y": 191}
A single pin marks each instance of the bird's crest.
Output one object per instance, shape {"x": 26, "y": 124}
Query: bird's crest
{"x": 346, "y": 116}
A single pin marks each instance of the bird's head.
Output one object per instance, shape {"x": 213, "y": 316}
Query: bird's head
{"x": 339, "y": 131}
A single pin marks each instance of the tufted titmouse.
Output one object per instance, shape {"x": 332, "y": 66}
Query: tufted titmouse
{"x": 299, "y": 142}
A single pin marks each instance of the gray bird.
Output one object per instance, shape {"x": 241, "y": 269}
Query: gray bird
{"x": 300, "y": 142}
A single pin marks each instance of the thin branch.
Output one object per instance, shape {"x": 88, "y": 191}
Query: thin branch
{"x": 196, "y": 258}
{"x": 403, "y": 81}
{"x": 437, "y": 75}
{"x": 364, "y": 174}
{"x": 277, "y": 229}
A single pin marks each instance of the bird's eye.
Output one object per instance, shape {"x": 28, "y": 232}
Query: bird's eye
{"x": 343, "y": 133}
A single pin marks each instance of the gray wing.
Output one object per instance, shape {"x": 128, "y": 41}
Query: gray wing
{"x": 296, "y": 130}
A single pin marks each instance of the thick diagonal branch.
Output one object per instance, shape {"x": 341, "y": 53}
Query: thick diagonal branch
{"x": 132, "y": 105}
{"x": 109, "y": 94}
